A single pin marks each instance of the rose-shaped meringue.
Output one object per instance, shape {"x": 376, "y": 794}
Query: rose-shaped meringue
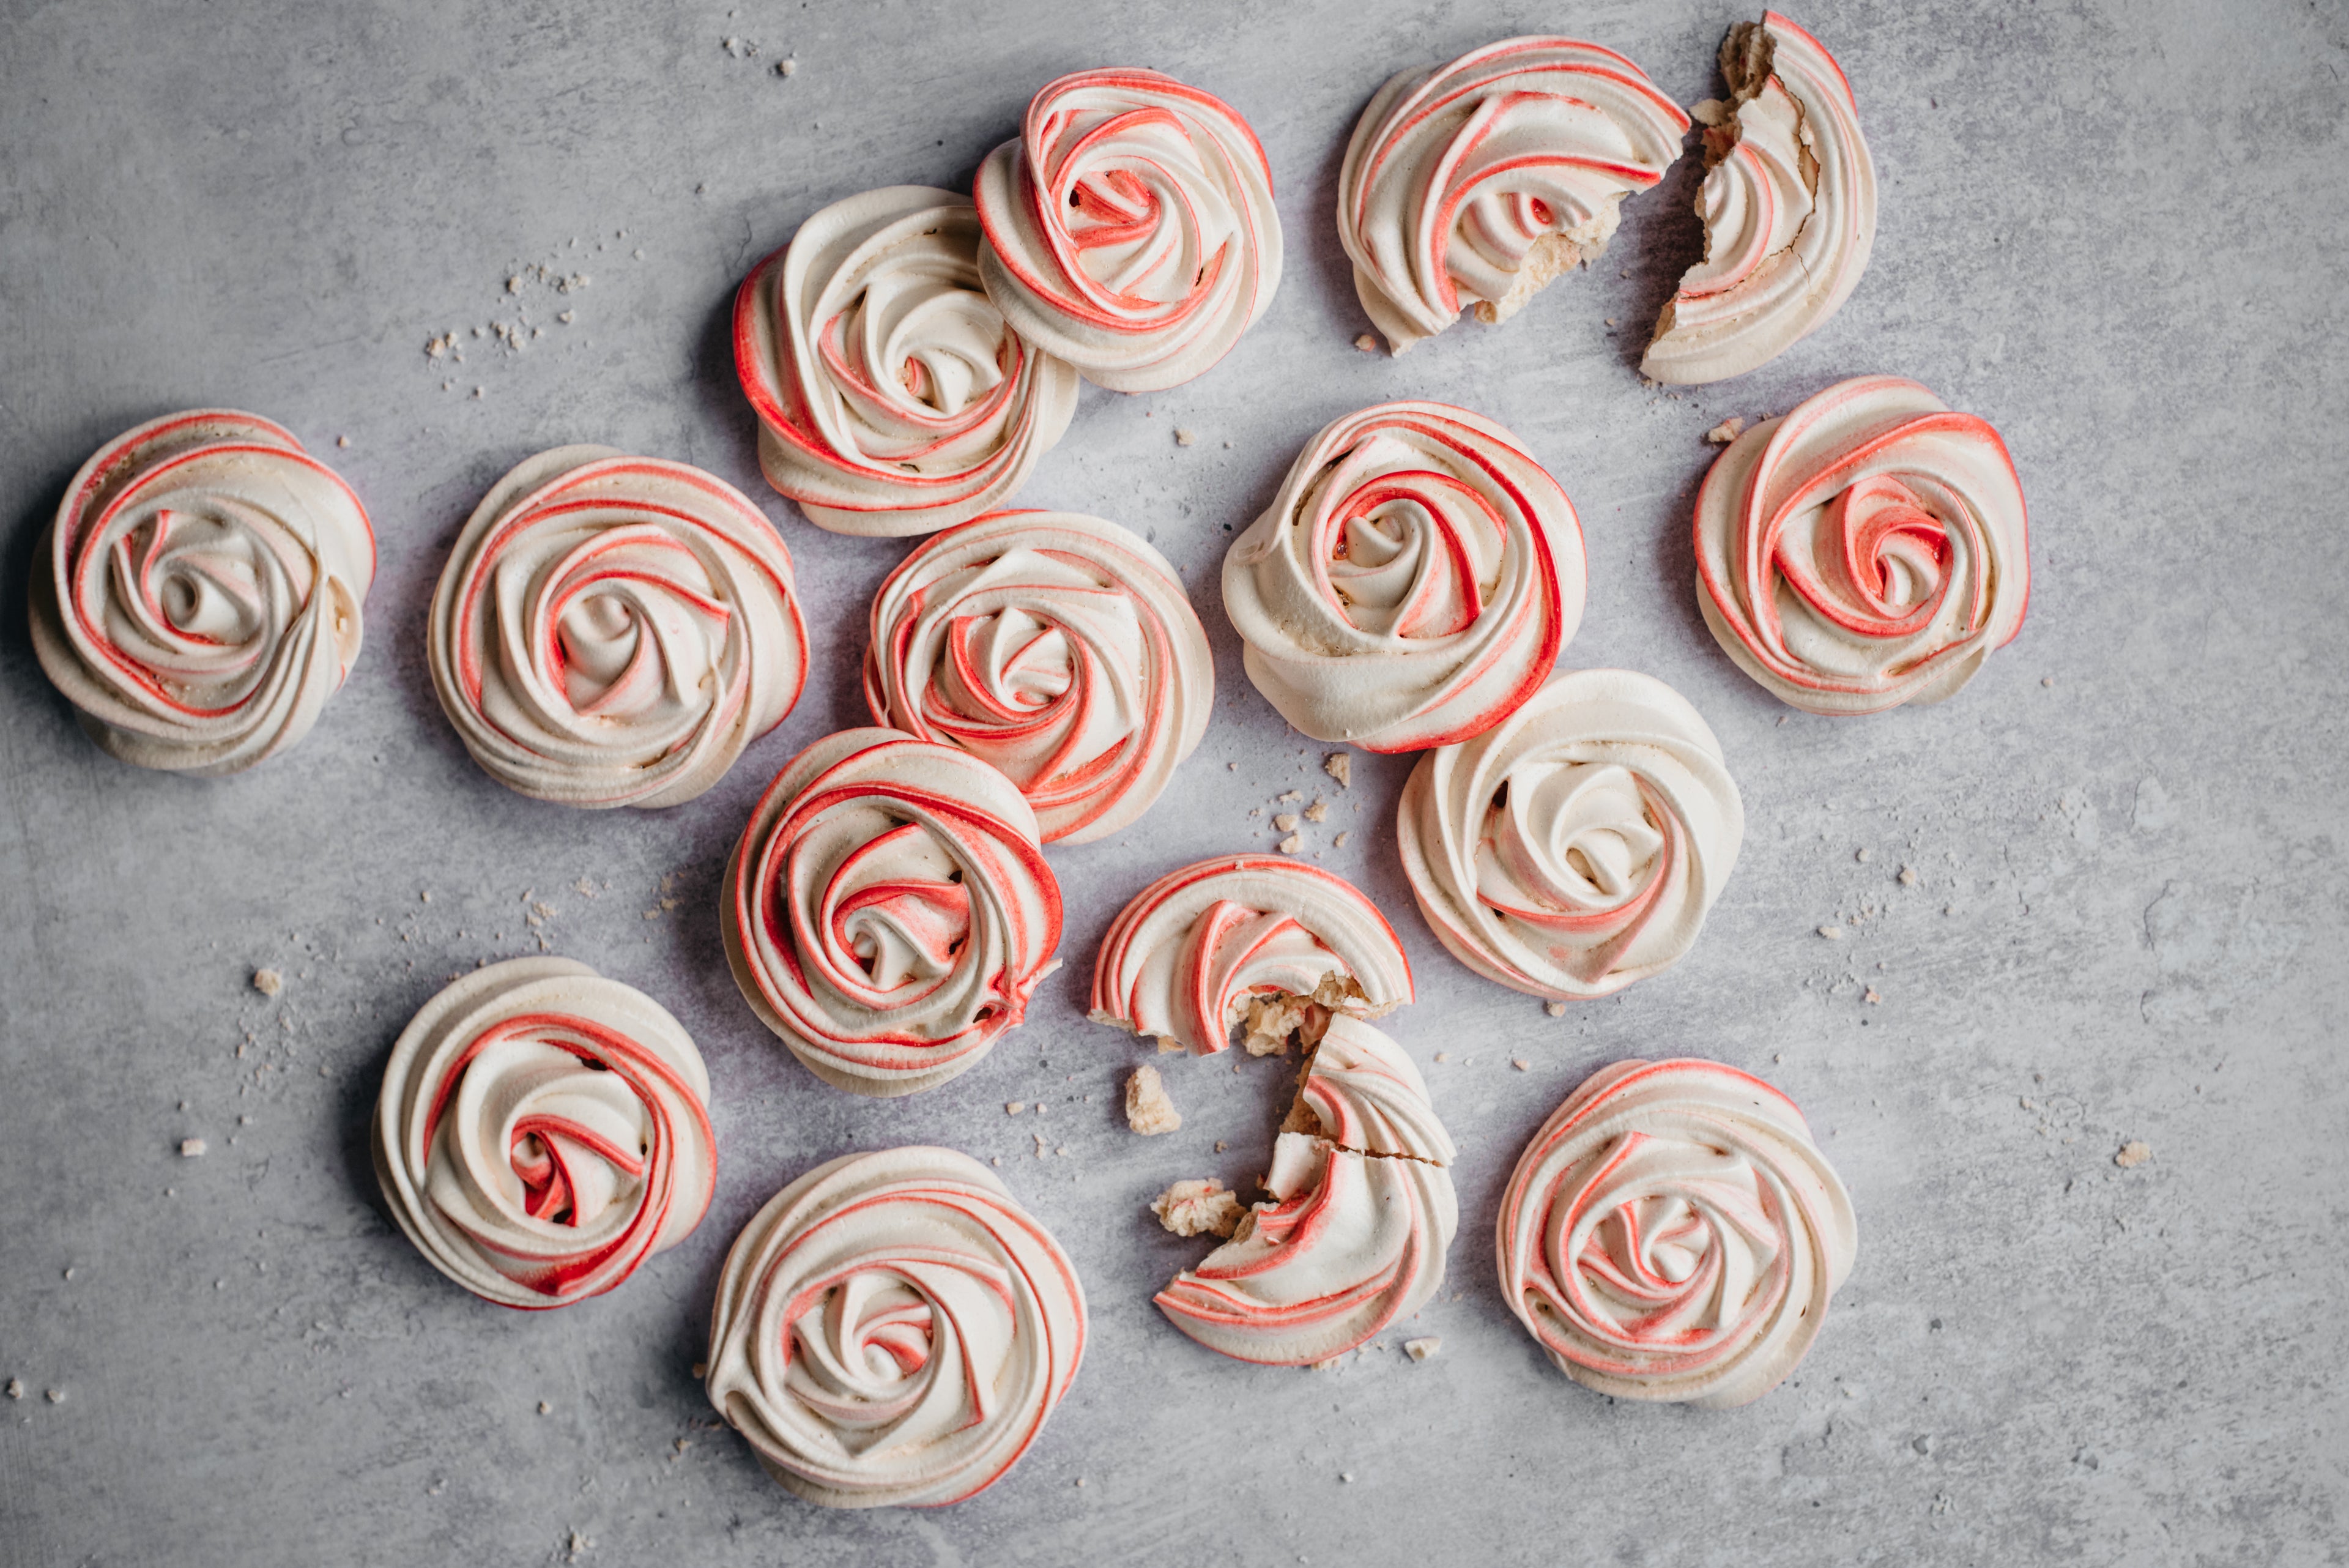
{"x": 1789, "y": 209}
{"x": 1355, "y": 1236}
{"x": 1672, "y": 1234}
{"x": 1575, "y": 847}
{"x": 197, "y": 596}
{"x": 542, "y": 1130}
{"x": 893, "y": 1329}
{"x": 1058, "y": 647}
{"x": 1204, "y": 947}
{"x": 613, "y": 630}
{"x": 1411, "y": 583}
{"x": 892, "y": 397}
{"x": 1869, "y": 549}
{"x": 888, "y": 911}
{"x": 1130, "y": 228}
{"x": 1481, "y": 180}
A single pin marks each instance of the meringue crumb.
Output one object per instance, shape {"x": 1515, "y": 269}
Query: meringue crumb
{"x": 16, "y": 1388}
{"x": 1183, "y": 437}
{"x": 1832, "y": 933}
{"x": 1367, "y": 344}
{"x": 567, "y": 316}
{"x": 1286, "y": 822}
{"x": 57, "y": 1396}
{"x": 1727, "y": 430}
{"x": 2047, "y": 680}
{"x": 1339, "y": 842}
{"x": 1420, "y": 1349}
{"x": 1292, "y": 844}
{"x": 1908, "y": 875}
{"x": 1231, "y": 767}
{"x": 1197, "y": 1208}
{"x": 1148, "y": 1111}
{"x": 342, "y": 440}
{"x": 1220, "y": 1146}
{"x": 1554, "y": 1009}
{"x": 1288, "y": 796}
{"x": 1443, "y": 1056}
{"x": 2134, "y": 1153}
{"x": 1330, "y": 1365}
{"x": 1013, "y": 1107}
{"x": 1345, "y": 1475}
{"x": 1063, "y": 1149}
{"x": 513, "y": 284}
{"x": 1168, "y": 1044}
{"x": 268, "y": 981}
{"x": 192, "y": 1148}
{"x": 544, "y": 1408}
{"x": 1340, "y": 765}
{"x": 701, "y": 1370}
{"x": 1521, "y": 1065}
{"x": 784, "y": 68}
{"x": 1871, "y": 996}
{"x": 1319, "y": 811}
{"x": 1860, "y": 856}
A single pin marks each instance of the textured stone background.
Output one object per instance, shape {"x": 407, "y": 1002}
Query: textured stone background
{"x": 2113, "y": 230}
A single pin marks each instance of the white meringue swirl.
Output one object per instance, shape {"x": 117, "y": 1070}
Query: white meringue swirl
{"x": 1411, "y": 583}
{"x": 197, "y": 596}
{"x": 613, "y": 630}
{"x": 1575, "y": 847}
{"x": 1185, "y": 958}
{"x": 892, "y": 397}
{"x": 542, "y": 1130}
{"x": 1355, "y": 1237}
{"x": 893, "y": 1329}
{"x": 1673, "y": 1233}
{"x": 888, "y": 911}
{"x": 1130, "y": 227}
{"x": 1058, "y": 647}
{"x": 1869, "y": 549}
{"x": 1789, "y": 210}
{"x": 1480, "y": 180}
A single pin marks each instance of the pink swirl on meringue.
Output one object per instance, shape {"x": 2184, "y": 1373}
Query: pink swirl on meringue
{"x": 1411, "y": 583}
{"x": 1059, "y": 647}
{"x": 891, "y": 396}
{"x": 1184, "y": 960}
{"x": 1869, "y": 549}
{"x": 888, "y": 911}
{"x": 1480, "y": 180}
{"x": 1130, "y": 228}
{"x": 1673, "y": 1233}
{"x": 892, "y": 1330}
{"x": 199, "y": 595}
{"x": 541, "y": 1131}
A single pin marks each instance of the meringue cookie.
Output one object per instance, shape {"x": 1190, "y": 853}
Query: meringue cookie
{"x": 1672, "y": 1234}
{"x": 1411, "y": 583}
{"x": 1201, "y": 948}
{"x": 892, "y": 397}
{"x": 889, "y": 911}
{"x": 1481, "y": 180}
{"x": 197, "y": 595}
{"x": 1789, "y": 210}
{"x": 613, "y": 630}
{"x": 541, "y": 1131}
{"x": 1355, "y": 1237}
{"x": 1130, "y": 228}
{"x": 1059, "y": 647}
{"x": 1575, "y": 847}
{"x": 893, "y": 1329}
{"x": 1869, "y": 549}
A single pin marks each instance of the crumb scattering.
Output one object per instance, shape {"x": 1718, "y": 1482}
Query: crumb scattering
{"x": 1832, "y": 933}
{"x": 1013, "y": 1107}
{"x": 268, "y": 981}
{"x": 2132, "y": 1154}
{"x": 1554, "y": 1009}
{"x": 1202, "y": 1207}
{"x": 1340, "y": 765}
{"x": 1422, "y": 1348}
{"x": 1727, "y": 430}
{"x": 1286, "y": 822}
{"x": 1292, "y": 844}
{"x": 16, "y": 1388}
{"x": 1148, "y": 1109}
{"x": 1185, "y": 437}
{"x": 1871, "y": 995}
{"x": 1319, "y": 811}
{"x": 1908, "y": 875}
{"x": 1443, "y": 1056}
{"x": 1339, "y": 842}
{"x": 1520, "y": 1064}
{"x": 192, "y": 1148}
{"x": 1367, "y": 344}
{"x": 57, "y": 1396}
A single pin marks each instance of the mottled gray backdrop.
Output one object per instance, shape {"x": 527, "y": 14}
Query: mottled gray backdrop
{"x": 2114, "y": 230}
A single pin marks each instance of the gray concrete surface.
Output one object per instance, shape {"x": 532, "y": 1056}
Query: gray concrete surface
{"x": 2113, "y": 230}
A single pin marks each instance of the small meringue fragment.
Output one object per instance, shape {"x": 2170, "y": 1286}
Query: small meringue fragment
{"x": 613, "y": 630}
{"x": 1197, "y": 1208}
{"x": 1410, "y": 584}
{"x": 1673, "y": 1233}
{"x": 891, "y": 396}
{"x": 1362, "y": 1215}
{"x": 1789, "y": 210}
{"x": 1575, "y": 847}
{"x": 1149, "y": 1109}
{"x": 1480, "y": 180}
{"x": 1058, "y": 647}
{"x": 1869, "y": 549}
{"x": 197, "y": 595}
{"x": 1130, "y": 228}
{"x": 1427, "y": 1345}
{"x": 1249, "y": 939}
{"x": 892, "y": 1330}
{"x": 889, "y": 911}
{"x": 542, "y": 1130}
